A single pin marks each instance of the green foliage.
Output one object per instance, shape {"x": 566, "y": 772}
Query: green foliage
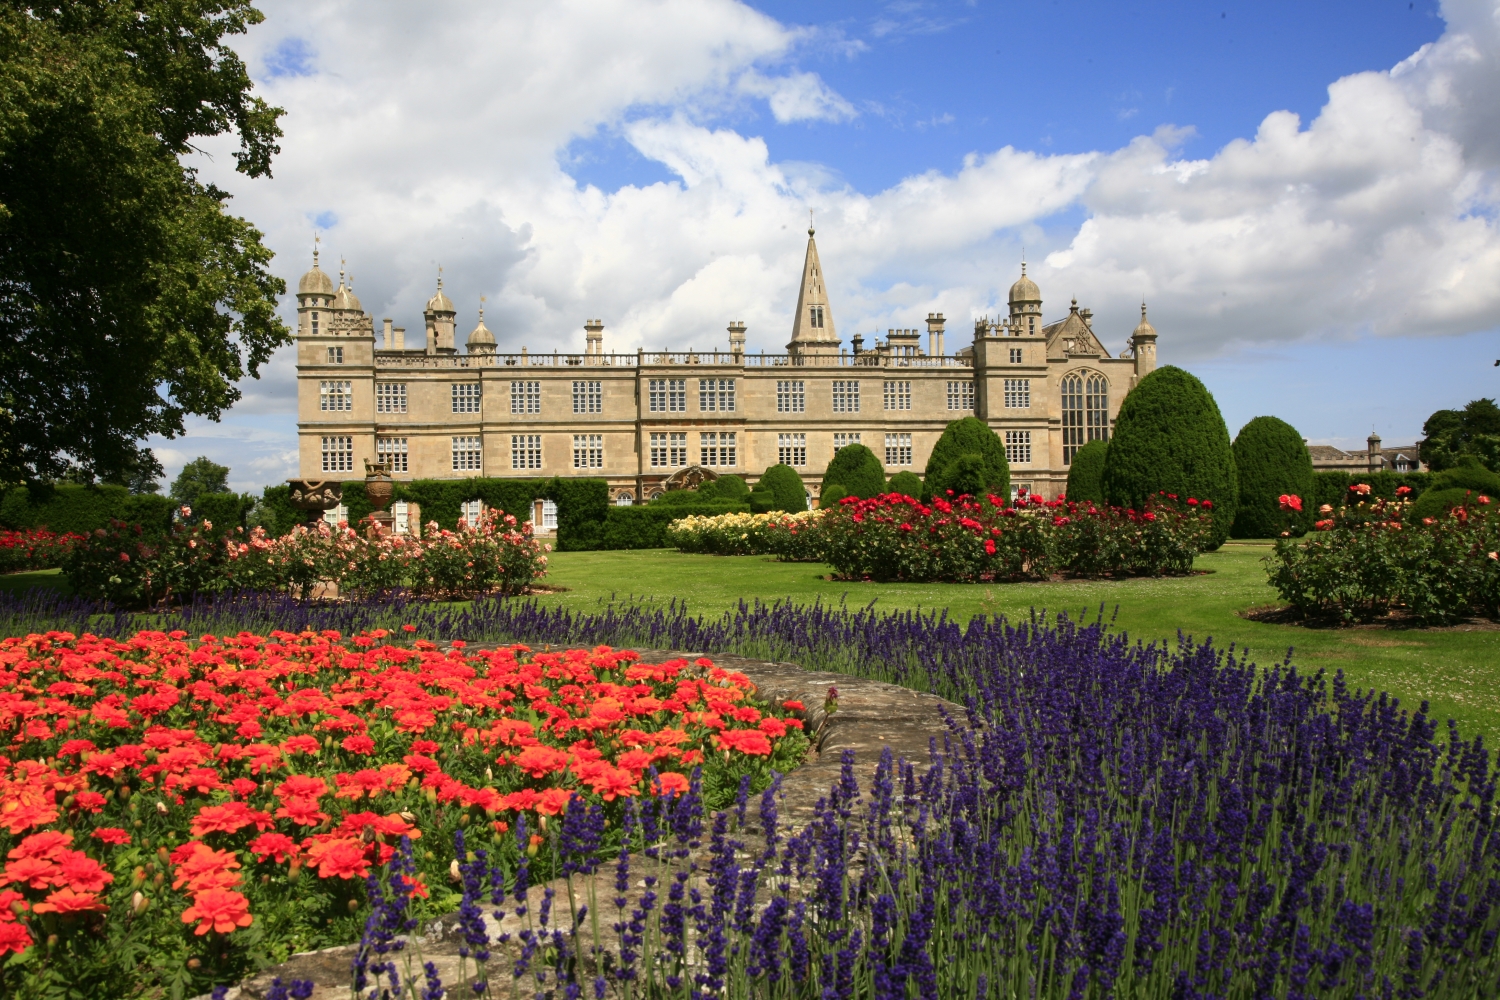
{"x": 1271, "y": 461}
{"x": 950, "y": 468}
{"x": 1437, "y": 502}
{"x": 1332, "y": 488}
{"x": 1170, "y": 437}
{"x": 786, "y": 487}
{"x": 582, "y": 506}
{"x": 274, "y": 512}
{"x": 679, "y": 498}
{"x": 723, "y": 488}
{"x": 1452, "y": 434}
{"x": 907, "y": 483}
{"x": 645, "y": 526}
{"x": 829, "y": 496}
{"x": 857, "y": 470}
{"x": 132, "y": 297}
{"x": 442, "y": 500}
{"x": 762, "y": 501}
{"x": 201, "y": 475}
{"x": 68, "y": 507}
{"x": 224, "y": 510}
{"x": 1086, "y": 474}
{"x": 1468, "y": 474}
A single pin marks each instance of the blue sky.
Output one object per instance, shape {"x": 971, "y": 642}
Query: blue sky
{"x": 652, "y": 162}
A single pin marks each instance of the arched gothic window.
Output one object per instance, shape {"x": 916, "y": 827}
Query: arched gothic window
{"x": 1085, "y": 412}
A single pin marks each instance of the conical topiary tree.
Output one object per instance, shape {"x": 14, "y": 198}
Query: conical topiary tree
{"x": 1170, "y": 437}
{"x": 1271, "y": 461}
{"x": 1086, "y": 474}
{"x": 987, "y": 472}
{"x": 857, "y": 470}
{"x": 783, "y": 483}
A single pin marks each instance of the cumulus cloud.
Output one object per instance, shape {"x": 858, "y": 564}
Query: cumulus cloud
{"x": 419, "y": 135}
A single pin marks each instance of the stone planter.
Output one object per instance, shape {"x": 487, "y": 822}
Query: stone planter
{"x": 315, "y": 496}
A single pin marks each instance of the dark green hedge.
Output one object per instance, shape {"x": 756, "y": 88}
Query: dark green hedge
{"x": 907, "y": 483}
{"x": 857, "y": 470}
{"x": 1086, "y": 474}
{"x": 783, "y": 483}
{"x": 644, "y": 527}
{"x": 1271, "y": 461}
{"x": 224, "y": 511}
{"x": 969, "y": 458}
{"x": 71, "y": 507}
{"x": 1170, "y": 437}
{"x": 1333, "y": 487}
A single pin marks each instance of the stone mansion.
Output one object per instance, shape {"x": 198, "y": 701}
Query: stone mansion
{"x": 641, "y": 420}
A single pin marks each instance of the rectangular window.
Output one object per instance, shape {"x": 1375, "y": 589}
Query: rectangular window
{"x": 667, "y": 395}
{"x": 336, "y": 396}
{"x": 390, "y": 397}
{"x": 588, "y": 451}
{"x": 525, "y": 451}
{"x": 466, "y": 454}
{"x": 842, "y": 439}
{"x": 465, "y": 397}
{"x": 1018, "y": 393}
{"x": 898, "y": 396}
{"x": 791, "y": 449}
{"x": 314, "y": 324}
{"x": 898, "y": 449}
{"x": 716, "y": 395}
{"x": 392, "y": 452}
{"x": 338, "y": 454}
{"x": 961, "y": 396}
{"x": 1015, "y": 355}
{"x": 588, "y": 397}
{"x": 472, "y": 512}
{"x": 791, "y": 397}
{"x": 668, "y": 449}
{"x": 526, "y": 397}
{"x": 845, "y": 397}
{"x": 717, "y": 449}
{"x": 1018, "y": 447}
{"x": 335, "y": 355}
{"x": 815, "y": 317}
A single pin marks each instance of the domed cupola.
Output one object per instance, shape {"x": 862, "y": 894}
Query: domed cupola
{"x": 315, "y": 282}
{"x": 1025, "y": 290}
{"x": 1025, "y": 306}
{"x": 481, "y": 341}
{"x": 344, "y": 298}
{"x": 441, "y": 321}
{"x": 440, "y": 303}
{"x": 1144, "y": 328}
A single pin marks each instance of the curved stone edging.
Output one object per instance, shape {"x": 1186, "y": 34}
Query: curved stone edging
{"x": 871, "y": 717}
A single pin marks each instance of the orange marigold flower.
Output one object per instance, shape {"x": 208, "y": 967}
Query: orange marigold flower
{"x": 48, "y": 844}
{"x": 112, "y": 835}
{"x": 748, "y": 741}
{"x": 67, "y": 901}
{"x": 14, "y": 937}
{"x": 340, "y": 857}
{"x": 274, "y": 845}
{"x": 81, "y": 872}
{"x": 34, "y": 873}
{"x": 221, "y": 910}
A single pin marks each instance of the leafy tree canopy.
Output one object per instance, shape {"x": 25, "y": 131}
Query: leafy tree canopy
{"x": 1452, "y": 434}
{"x": 1170, "y": 437}
{"x": 1271, "y": 460}
{"x": 199, "y": 478}
{"x": 857, "y": 470}
{"x": 129, "y": 297}
{"x": 984, "y": 470}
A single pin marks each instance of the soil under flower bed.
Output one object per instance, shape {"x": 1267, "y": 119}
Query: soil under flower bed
{"x": 870, "y": 717}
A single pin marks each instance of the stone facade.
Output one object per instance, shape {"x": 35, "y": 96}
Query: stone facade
{"x": 1375, "y": 457}
{"x": 635, "y": 419}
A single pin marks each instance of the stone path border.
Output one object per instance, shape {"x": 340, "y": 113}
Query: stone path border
{"x": 870, "y": 717}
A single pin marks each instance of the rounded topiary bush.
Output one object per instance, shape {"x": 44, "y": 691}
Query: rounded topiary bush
{"x": 1271, "y": 461}
{"x": 783, "y": 483}
{"x": 829, "y": 496}
{"x": 1170, "y": 437}
{"x": 987, "y": 472}
{"x": 857, "y": 470}
{"x": 1086, "y": 474}
{"x": 908, "y": 484}
{"x": 725, "y": 488}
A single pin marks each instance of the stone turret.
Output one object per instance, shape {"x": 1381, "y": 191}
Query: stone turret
{"x": 737, "y": 338}
{"x": 593, "y": 334}
{"x": 441, "y": 319}
{"x": 813, "y": 331}
{"x": 1143, "y": 345}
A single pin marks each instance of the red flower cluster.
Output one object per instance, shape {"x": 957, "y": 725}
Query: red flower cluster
{"x": 304, "y": 751}
{"x": 34, "y": 548}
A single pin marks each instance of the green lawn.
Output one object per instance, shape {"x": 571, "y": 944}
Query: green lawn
{"x": 1458, "y": 672}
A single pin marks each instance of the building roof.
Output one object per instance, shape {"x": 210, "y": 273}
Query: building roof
{"x": 813, "y": 293}
{"x": 481, "y": 339}
{"x": 1025, "y": 290}
{"x": 345, "y": 298}
{"x": 1074, "y": 329}
{"x": 440, "y": 302}
{"x": 316, "y": 281}
{"x": 1144, "y": 327}
{"x": 1326, "y": 453}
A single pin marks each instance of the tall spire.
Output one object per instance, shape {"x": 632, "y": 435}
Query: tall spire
{"x": 812, "y": 330}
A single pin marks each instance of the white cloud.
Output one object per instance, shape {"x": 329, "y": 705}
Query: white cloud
{"x": 434, "y": 134}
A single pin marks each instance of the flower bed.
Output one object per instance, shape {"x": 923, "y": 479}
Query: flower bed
{"x": 173, "y": 810}
{"x": 789, "y": 537}
{"x": 34, "y": 549}
{"x": 1371, "y": 557}
{"x": 129, "y": 567}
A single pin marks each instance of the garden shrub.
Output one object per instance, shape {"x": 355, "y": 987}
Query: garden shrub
{"x": 857, "y": 470}
{"x": 1372, "y": 557}
{"x": 582, "y": 506}
{"x": 762, "y": 501}
{"x": 34, "y": 549}
{"x": 786, "y": 486}
{"x": 830, "y": 495}
{"x": 907, "y": 483}
{"x": 1333, "y": 487}
{"x": 1452, "y": 435}
{"x": 223, "y": 510}
{"x": 1436, "y": 503}
{"x": 1086, "y": 474}
{"x": 72, "y": 508}
{"x": 968, "y": 458}
{"x": 791, "y": 537}
{"x": 725, "y": 488}
{"x": 1170, "y": 438}
{"x": 645, "y": 526}
{"x": 1271, "y": 461}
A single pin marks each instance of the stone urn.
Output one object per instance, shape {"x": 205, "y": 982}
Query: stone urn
{"x": 379, "y": 488}
{"x": 315, "y": 496}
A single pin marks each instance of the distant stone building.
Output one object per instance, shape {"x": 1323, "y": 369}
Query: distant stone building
{"x": 1375, "y": 457}
{"x": 639, "y": 419}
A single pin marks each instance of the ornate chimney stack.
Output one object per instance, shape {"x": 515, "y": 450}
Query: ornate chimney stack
{"x": 737, "y": 338}
{"x": 594, "y": 334}
{"x": 935, "y": 334}
{"x": 1376, "y": 460}
{"x": 386, "y": 341}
